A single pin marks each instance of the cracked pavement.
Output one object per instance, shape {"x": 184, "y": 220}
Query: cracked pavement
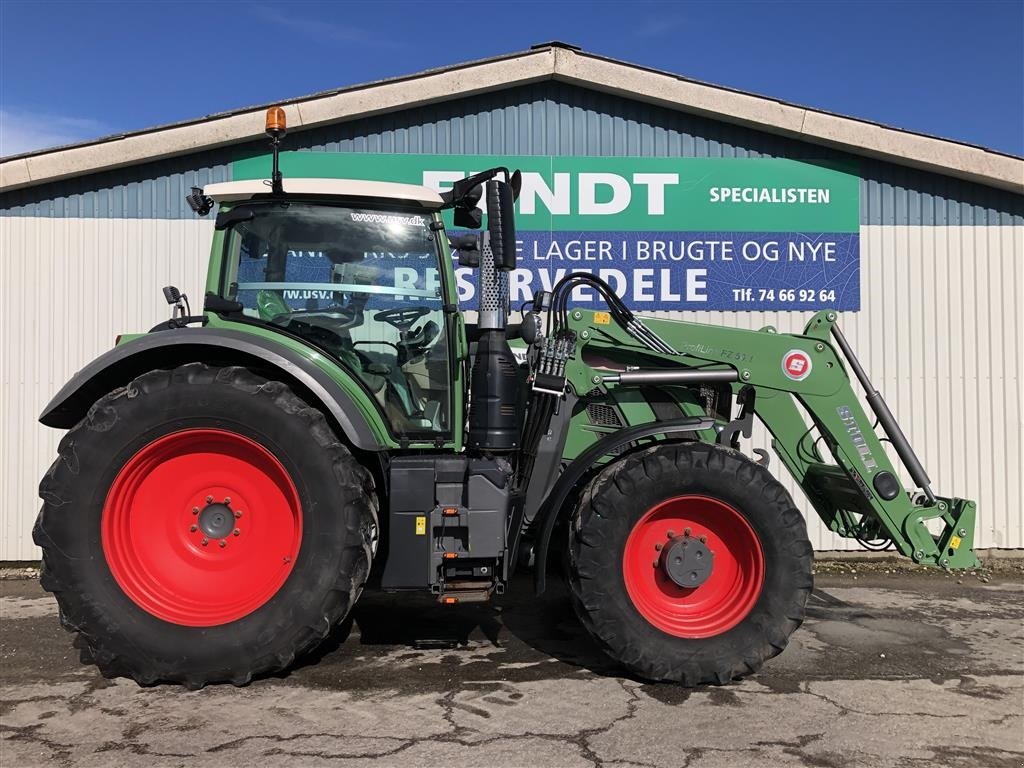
{"x": 898, "y": 670}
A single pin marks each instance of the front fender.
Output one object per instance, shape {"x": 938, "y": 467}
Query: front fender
{"x": 551, "y": 508}
{"x": 160, "y": 350}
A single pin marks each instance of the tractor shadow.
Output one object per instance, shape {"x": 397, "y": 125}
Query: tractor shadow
{"x": 548, "y": 625}
{"x": 516, "y": 628}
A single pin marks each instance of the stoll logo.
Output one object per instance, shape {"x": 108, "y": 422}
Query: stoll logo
{"x": 796, "y": 365}
{"x": 857, "y": 438}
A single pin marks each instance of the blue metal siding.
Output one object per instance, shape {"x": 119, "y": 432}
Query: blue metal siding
{"x": 540, "y": 119}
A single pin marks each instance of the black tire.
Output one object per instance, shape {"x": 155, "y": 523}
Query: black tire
{"x": 615, "y": 501}
{"x": 338, "y": 520}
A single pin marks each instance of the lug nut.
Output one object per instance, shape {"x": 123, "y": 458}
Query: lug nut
{"x": 205, "y": 541}
{"x": 235, "y": 532}
{"x": 687, "y": 532}
{"x": 227, "y": 499}
{"x": 238, "y": 513}
{"x": 703, "y": 539}
{"x": 671, "y": 534}
{"x": 195, "y": 510}
{"x": 655, "y": 564}
{"x": 657, "y": 547}
{"x": 194, "y": 528}
{"x": 223, "y": 543}
{"x": 209, "y": 499}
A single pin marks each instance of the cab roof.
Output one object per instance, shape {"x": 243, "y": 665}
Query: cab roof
{"x": 232, "y": 191}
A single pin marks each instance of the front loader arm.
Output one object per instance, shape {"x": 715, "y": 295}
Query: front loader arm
{"x": 801, "y": 391}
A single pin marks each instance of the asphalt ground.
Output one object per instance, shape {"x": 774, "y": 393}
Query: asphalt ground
{"x": 889, "y": 669}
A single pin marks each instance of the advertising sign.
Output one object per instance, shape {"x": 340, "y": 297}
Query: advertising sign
{"x": 666, "y": 233}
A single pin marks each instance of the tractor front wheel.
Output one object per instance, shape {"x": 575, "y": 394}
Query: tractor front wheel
{"x": 203, "y": 524}
{"x": 688, "y": 562}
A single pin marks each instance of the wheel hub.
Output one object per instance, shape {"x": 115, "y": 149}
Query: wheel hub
{"x": 693, "y": 566}
{"x": 687, "y": 562}
{"x": 216, "y": 520}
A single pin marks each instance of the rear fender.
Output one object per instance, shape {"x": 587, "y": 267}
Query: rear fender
{"x": 124, "y": 362}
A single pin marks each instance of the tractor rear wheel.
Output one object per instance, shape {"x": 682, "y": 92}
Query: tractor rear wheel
{"x": 688, "y": 562}
{"x": 203, "y": 524}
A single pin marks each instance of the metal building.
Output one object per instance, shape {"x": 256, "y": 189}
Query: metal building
{"x": 89, "y": 233}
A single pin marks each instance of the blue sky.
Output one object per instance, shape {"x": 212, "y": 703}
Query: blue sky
{"x": 77, "y": 70}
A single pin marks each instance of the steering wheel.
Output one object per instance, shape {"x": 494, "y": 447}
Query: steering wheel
{"x": 402, "y": 318}
{"x": 423, "y": 336}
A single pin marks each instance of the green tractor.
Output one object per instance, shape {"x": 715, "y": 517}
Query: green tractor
{"x": 231, "y": 480}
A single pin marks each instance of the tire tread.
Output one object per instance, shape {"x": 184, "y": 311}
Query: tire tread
{"x": 607, "y": 497}
{"x": 360, "y": 514}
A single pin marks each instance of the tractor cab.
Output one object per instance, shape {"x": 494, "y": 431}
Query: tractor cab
{"x": 356, "y": 269}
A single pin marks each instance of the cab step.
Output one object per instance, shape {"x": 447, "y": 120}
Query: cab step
{"x": 455, "y": 592}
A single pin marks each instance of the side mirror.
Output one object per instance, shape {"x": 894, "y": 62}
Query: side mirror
{"x": 516, "y": 180}
{"x": 468, "y": 218}
{"x": 501, "y": 224}
{"x": 468, "y": 248}
{"x": 464, "y": 243}
{"x": 464, "y": 195}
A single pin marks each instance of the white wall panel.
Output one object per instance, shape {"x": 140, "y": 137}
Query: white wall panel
{"x": 940, "y": 332}
{"x": 67, "y": 288}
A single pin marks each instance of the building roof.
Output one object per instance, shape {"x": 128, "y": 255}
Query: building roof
{"x": 548, "y": 61}
{"x": 230, "y": 191}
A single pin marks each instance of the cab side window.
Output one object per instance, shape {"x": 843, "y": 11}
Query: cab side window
{"x": 365, "y": 287}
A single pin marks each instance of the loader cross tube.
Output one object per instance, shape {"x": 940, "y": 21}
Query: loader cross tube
{"x": 844, "y": 493}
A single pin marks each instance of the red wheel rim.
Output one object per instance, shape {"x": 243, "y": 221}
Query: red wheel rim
{"x": 730, "y": 591}
{"x": 189, "y": 486}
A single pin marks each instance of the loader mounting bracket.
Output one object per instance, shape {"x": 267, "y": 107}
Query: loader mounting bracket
{"x": 742, "y": 424}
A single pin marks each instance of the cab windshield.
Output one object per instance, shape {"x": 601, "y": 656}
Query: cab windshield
{"x": 361, "y": 284}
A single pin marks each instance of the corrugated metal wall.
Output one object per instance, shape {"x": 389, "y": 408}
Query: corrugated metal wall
{"x": 940, "y": 329}
{"x": 67, "y": 288}
{"x": 540, "y": 119}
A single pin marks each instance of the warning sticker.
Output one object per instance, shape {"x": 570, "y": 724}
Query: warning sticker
{"x": 796, "y": 365}
{"x": 603, "y": 318}
{"x": 421, "y": 526}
